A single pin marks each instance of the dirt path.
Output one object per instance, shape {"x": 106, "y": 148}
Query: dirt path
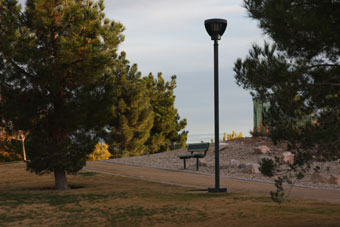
{"x": 201, "y": 181}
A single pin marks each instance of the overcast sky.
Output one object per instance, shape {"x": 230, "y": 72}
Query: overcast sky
{"x": 168, "y": 36}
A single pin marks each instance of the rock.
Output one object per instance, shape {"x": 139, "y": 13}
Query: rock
{"x": 261, "y": 150}
{"x": 287, "y": 158}
{"x": 334, "y": 180}
{"x": 318, "y": 178}
{"x": 234, "y": 163}
{"x": 202, "y": 162}
{"x": 251, "y": 168}
{"x": 242, "y": 166}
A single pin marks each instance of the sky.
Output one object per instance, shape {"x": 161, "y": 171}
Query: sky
{"x": 169, "y": 36}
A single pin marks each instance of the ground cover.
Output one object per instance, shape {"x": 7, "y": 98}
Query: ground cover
{"x": 241, "y": 151}
{"x": 106, "y": 200}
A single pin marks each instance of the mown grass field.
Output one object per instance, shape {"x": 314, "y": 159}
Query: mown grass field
{"x": 104, "y": 200}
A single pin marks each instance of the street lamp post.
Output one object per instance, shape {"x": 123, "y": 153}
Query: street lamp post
{"x": 216, "y": 28}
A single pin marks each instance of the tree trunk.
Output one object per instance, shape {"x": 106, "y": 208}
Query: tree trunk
{"x": 23, "y": 146}
{"x": 60, "y": 179}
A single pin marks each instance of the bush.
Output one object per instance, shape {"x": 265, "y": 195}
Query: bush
{"x": 232, "y": 136}
{"x": 101, "y": 152}
{"x": 10, "y": 149}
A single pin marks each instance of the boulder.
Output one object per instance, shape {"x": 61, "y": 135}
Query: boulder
{"x": 234, "y": 163}
{"x": 287, "y": 158}
{"x": 318, "y": 178}
{"x": 334, "y": 180}
{"x": 251, "y": 168}
{"x": 261, "y": 150}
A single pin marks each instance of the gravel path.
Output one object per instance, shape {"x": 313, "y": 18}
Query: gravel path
{"x": 241, "y": 150}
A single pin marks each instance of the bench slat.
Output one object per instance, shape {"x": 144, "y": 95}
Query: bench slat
{"x": 193, "y": 147}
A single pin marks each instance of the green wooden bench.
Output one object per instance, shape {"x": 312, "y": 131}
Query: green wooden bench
{"x": 196, "y": 150}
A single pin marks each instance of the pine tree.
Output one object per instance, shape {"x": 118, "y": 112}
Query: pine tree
{"x": 54, "y": 56}
{"x": 299, "y": 75}
{"x": 132, "y": 116}
{"x": 166, "y": 132}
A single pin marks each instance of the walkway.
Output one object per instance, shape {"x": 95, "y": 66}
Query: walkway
{"x": 200, "y": 181}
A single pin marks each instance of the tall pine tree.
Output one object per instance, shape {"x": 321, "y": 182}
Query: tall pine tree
{"x": 167, "y": 132}
{"x": 299, "y": 74}
{"x": 54, "y": 56}
{"x": 132, "y": 116}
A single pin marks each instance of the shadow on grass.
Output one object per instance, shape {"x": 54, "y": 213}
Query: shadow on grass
{"x": 55, "y": 199}
{"x": 47, "y": 188}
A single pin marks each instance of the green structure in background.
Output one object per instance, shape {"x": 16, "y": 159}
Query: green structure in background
{"x": 259, "y": 108}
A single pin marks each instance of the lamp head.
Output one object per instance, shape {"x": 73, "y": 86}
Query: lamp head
{"x": 215, "y": 27}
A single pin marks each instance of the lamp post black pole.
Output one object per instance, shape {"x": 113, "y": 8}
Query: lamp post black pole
{"x": 217, "y": 130}
{"x": 216, "y": 28}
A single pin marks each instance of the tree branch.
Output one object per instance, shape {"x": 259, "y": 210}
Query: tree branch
{"x": 17, "y": 66}
{"x": 329, "y": 84}
{"x": 325, "y": 65}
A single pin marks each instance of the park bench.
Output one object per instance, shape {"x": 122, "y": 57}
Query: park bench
{"x": 196, "y": 150}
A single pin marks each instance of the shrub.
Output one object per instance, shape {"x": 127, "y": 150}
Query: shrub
{"x": 10, "y": 148}
{"x": 232, "y": 136}
{"x": 101, "y": 152}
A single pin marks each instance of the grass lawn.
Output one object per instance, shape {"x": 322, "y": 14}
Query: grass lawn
{"x": 104, "y": 200}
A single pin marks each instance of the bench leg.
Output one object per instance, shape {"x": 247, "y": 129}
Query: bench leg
{"x": 185, "y": 166}
{"x": 196, "y": 164}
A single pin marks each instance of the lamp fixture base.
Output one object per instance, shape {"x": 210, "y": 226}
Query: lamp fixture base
{"x": 217, "y": 190}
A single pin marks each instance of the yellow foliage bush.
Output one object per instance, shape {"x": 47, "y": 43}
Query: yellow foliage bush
{"x": 232, "y": 136}
{"x": 101, "y": 152}
{"x": 10, "y": 148}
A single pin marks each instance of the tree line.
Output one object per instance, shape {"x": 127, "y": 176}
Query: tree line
{"x": 63, "y": 80}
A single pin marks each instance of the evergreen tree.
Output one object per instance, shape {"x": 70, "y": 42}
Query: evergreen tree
{"x": 132, "y": 116}
{"x": 54, "y": 56}
{"x": 166, "y": 132}
{"x": 299, "y": 74}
